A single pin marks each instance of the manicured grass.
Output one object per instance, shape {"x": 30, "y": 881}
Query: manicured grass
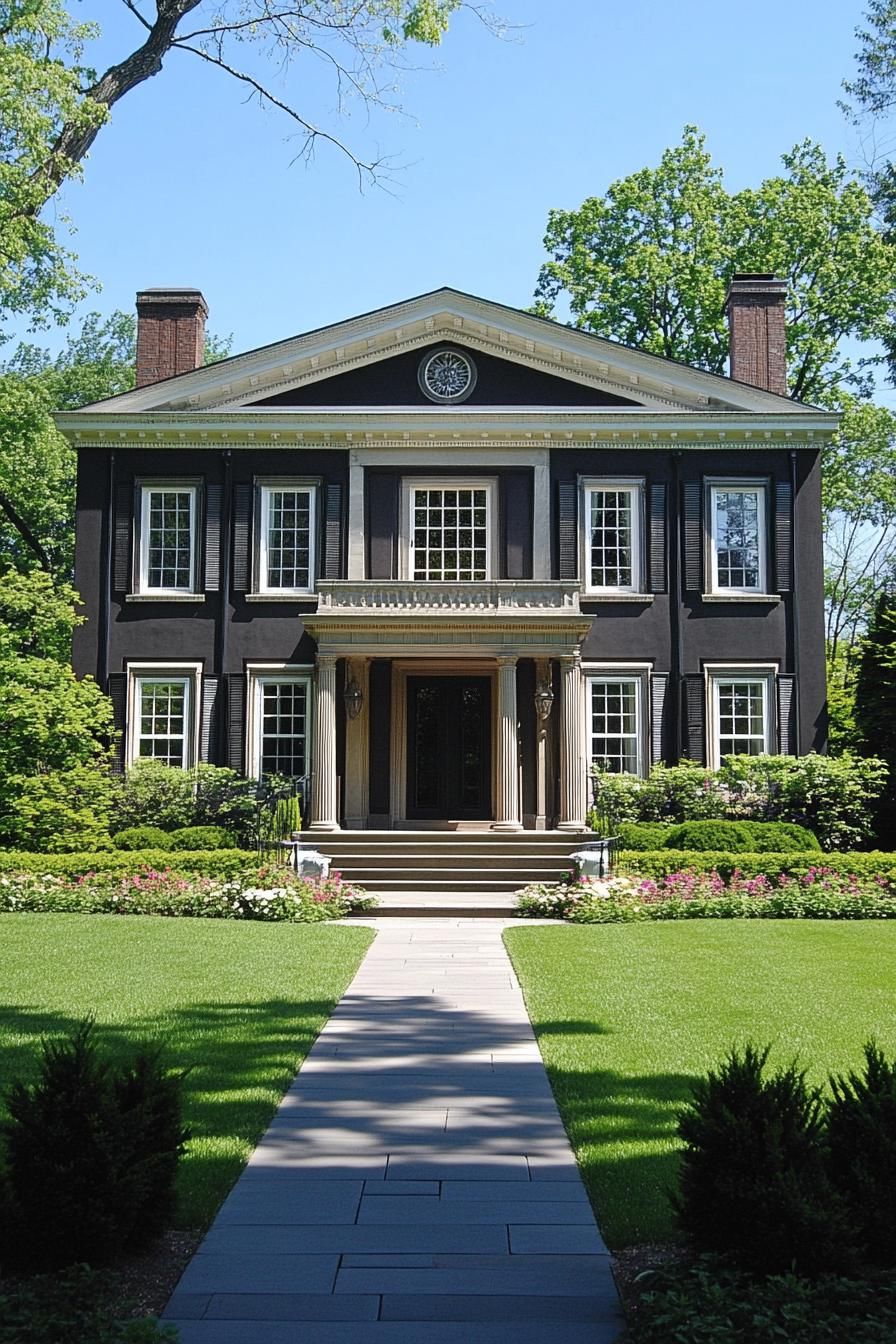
{"x": 627, "y": 1016}
{"x": 238, "y": 1003}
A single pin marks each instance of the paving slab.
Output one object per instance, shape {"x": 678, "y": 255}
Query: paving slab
{"x": 416, "y": 1185}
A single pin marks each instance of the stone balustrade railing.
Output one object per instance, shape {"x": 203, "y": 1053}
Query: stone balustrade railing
{"x": 497, "y": 597}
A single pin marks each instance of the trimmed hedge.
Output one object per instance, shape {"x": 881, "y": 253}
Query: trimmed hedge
{"x": 141, "y": 837}
{"x": 661, "y": 862}
{"x": 742, "y": 837}
{"x": 205, "y": 863}
{"x": 643, "y": 834}
{"x": 202, "y": 837}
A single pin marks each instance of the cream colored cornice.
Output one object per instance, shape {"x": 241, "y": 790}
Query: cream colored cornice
{"x": 276, "y": 427}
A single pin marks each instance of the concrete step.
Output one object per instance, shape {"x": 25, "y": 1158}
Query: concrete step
{"x": 436, "y": 880}
{"x": 443, "y": 905}
{"x": 400, "y": 859}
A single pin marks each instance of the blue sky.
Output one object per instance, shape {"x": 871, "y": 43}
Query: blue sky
{"x": 189, "y": 186}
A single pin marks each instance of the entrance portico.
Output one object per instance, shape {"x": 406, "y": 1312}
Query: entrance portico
{"x": 453, "y": 660}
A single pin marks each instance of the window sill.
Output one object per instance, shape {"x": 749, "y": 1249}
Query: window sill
{"x": 164, "y": 597}
{"x": 618, "y": 597}
{"x": 740, "y": 597}
{"x": 294, "y": 598}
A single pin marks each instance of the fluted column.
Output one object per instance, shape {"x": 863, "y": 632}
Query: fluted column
{"x": 542, "y": 729}
{"x": 357, "y": 748}
{"x": 323, "y": 796}
{"x": 572, "y": 755}
{"x": 507, "y": 811}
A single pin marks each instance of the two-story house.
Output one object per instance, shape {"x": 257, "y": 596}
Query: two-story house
{"x": 440, "y": 557}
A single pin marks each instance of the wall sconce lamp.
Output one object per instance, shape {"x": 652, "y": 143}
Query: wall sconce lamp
{"x": 544, "y": 701}
{"x": 354, "y": 699}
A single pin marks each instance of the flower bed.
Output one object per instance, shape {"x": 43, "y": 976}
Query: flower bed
{"x": 821, "y": 892}
{"x": 271, "y": 893}
{"x": 659, "y": 863}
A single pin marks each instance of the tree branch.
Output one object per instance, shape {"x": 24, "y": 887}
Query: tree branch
{"x": 24, "y": 531}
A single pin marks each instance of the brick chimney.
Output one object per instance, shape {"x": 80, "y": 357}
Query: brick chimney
{"x": 170, "y": 333}
{"x": 755, "y": 308}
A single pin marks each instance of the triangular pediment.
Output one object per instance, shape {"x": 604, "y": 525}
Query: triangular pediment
{"x": 522, "y": 362}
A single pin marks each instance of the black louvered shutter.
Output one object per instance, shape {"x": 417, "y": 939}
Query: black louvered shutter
{"x": 783, "y": 537}
{"x": 695, "y": 716}
{"x": 236, "y": 715}
{"x": 212, "y": 538}
{"x": 566, "y": 523}
{"x": 787, "y": 745}
{"x": 117, "y": 691}
{"x": 659, "y": 684}
{"x": 242, "y": 538}
{"x": 122, "y": 550}
{"x": 693, "y": 536}
{"x": 207, "y": 714}
{"x": 332, "y": 566}
{"x": 658, "y": 538}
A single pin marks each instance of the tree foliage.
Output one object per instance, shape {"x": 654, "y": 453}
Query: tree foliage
{"x": 649, "y": 263}
{"x": 875, "y": 697}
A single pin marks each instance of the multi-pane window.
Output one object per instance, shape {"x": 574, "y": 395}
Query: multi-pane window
{"x": 168, "y": 539}
{"x": 287, "y": 538}
{"x": 449, "y": 532}
{"x": 737, "y": 528}
{"x": 614, "y": 709}
{"x": 282, "y": 727}
{"x": 741, "y": 716}
{"x": 612, "y": 537}
{"x": 163, "y": 711}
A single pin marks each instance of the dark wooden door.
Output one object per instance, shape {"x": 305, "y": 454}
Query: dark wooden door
{"x": 449, "y": 748}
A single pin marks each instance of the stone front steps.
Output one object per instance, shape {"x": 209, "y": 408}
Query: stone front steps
{"x": 466, "y": 866}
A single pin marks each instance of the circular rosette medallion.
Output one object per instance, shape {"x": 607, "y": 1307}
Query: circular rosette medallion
{"x": 447, "y": 375}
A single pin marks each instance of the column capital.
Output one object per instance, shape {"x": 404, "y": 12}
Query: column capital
{"x": 326, "y": 661}
{"x": 570, "y": 660}
{"x": 507, "y": 660}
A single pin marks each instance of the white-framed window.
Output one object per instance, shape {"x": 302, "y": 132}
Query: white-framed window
{"x": 162, "y": 715}
{"x": 742, "y": 712}
{"x": 279, "y": 738}
{"x": 287, "y": 528}
{"x": 611, "y": 535}
{"x": 615, "y": 719}
{"x": 168, "y": 533}
{"x": 737, "y": 532}
{"x": 449, "y": 530}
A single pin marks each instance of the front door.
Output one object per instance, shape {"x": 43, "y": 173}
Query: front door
{"x": 449, "y": 748}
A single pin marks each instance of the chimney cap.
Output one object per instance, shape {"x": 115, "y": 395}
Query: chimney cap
{"x": 173, "y": 294}
{"x": 756, "y": 283}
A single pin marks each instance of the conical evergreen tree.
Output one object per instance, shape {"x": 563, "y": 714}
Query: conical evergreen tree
{"x": 876, "y": 705}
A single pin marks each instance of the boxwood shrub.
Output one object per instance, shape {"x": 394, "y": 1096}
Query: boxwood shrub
{"x": 201, "y": 837}
{"x": 741, "y": 837}
{"x": 141, "y": 837}
{"x": 662, "y": 862}
{"x": 643, "y": 834}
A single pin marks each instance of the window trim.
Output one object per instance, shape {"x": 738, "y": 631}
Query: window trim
{"x": 717, "y": 674}
{"x": 640, "y": 673}
{"x": 715, "y": 484}
{"x": 146, "y": 488}
{"x": 406, "y": 545}
{"x": 258, "y": 675}
{"x": 188, "y": 672}
{"x": 634, "y": 485}
{"x": 263, "y": 487}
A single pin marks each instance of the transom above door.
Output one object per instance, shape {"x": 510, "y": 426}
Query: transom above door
{"x": 449, "y": 748}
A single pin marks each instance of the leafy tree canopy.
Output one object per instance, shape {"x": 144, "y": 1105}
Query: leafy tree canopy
{"x": 649, "y": 263}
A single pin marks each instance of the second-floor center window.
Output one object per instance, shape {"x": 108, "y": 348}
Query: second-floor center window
{"x": 737, "y": 524}
{"x": 612, "y": 536}
{"x": 449, "y": 534}
{"x": 168, "y": 530}
{"x": 287, "y": 539}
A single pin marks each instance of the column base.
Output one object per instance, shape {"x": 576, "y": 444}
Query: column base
{"x": 571, "y": 826}
{"x": 324, "y": 826}
{"x": 506, "y": 826}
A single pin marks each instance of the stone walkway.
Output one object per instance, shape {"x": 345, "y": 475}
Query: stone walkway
{"x": 416, "y": 1185}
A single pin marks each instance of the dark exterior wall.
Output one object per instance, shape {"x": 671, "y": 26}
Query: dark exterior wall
{"x": 91, "y": 509}
{"x": 393, "y": 382}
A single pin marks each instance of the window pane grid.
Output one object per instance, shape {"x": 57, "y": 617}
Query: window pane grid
{"x": 284, "y": 728}
{"x": 163, "y": 712}
{"x": 615, "y": 736}
{"x": 449, "y": 530}
{"x": 611, "y": 538}
{"x": 170, "y": 539}
{"x": 288, "y": 539}
{"x": 738, "y": 539}
{"x": 741, "y": 718}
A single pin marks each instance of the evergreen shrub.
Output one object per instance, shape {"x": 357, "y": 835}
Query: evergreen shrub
{"x": 862, "y": 1151}
{"x": 201, "y": 837}
{"x": 642, "y": 834}
{"x": 142, "y": 837}
{"x": 90, "y": 1153}
{"x": 753, "y": 1180}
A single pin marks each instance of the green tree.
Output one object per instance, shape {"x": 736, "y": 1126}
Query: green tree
{"x": 875, "y": 699}
{"x": 55, "y": 730}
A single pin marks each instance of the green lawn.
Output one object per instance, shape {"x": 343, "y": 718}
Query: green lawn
{"x": 239, "y": 1003}
{"x": 627, "y": 1016}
